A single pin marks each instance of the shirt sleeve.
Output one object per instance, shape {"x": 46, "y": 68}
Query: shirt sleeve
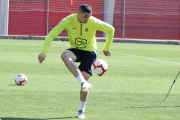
{"x": 109, "y": 30}
{"x": 52, "y": 34}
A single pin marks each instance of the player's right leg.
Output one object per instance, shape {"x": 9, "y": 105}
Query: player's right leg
{"x": 69, "y": 57}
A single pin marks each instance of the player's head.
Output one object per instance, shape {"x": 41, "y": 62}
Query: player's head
{"x": 85, "y": 11}
{"x": 85, "y": 8}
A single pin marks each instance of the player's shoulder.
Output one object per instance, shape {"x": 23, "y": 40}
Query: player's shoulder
{"x": 94, "y": 19}
{"x": 97, "y": 21}
{"x": 70, "y": 17}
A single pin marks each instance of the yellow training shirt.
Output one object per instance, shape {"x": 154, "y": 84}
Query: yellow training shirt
{"x": 81, "y": 36}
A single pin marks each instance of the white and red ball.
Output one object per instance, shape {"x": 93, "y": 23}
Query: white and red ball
{"x": 99, "y": 67}
{"x": 20, "y": 79}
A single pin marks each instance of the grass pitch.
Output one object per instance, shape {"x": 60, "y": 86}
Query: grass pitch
{"x": 138, "y": 78}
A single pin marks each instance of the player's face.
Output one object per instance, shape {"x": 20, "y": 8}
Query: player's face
{"x": 84, "y": 17}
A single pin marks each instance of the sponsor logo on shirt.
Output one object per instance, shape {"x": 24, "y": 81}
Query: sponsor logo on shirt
{"x": 81, "y": 43}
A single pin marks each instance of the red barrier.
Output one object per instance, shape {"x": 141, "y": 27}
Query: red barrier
{"x": 143, "y": 19}
{"x": 26, "y": 21}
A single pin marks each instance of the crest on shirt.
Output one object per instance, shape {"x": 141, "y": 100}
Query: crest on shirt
{"x": 86, "y": 30}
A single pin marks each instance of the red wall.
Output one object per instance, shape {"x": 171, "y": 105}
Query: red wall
{"x": 118, "y": 18}
{"x": 144, "y": 19}
{"x": 152, "y": 27}
{"x": 154, "y": 19}
{"x": 24, "y": 19}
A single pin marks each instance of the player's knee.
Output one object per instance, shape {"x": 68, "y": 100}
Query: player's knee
{"x": 68, "y": 56}
{"x": 64, "y": 56}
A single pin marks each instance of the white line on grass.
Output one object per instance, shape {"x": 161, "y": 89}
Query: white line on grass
{"x": 133, "y": 55}
{"x": 61, "y": 43}
{"x": 144, "y": 57}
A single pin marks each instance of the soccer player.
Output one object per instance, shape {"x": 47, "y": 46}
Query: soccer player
{"x": 81, "y": 29}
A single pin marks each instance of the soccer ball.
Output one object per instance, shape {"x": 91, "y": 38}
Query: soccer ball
{"x": 99, "y": 67}
{"x": 20, "y": 79}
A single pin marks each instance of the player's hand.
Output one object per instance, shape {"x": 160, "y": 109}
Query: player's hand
{"x": 41, "y": 58}
{"x": 107, "y": 53}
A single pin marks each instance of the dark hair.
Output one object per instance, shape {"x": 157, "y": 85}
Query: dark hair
{"x": 85, "y": 8}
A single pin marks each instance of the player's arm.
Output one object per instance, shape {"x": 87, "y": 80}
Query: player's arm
{"x": 109, "y": 30}
{"x": 52, "y": 34}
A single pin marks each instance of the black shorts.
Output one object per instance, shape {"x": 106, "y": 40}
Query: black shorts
{"x": 86, "y": 58}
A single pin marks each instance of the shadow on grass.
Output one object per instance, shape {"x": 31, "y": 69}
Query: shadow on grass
{"x": 6, "y": 118}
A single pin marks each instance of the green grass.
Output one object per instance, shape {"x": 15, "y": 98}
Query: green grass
{"x": 134, "y": 87}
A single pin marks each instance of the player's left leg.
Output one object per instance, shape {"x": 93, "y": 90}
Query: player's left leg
{"x": 85, "y": 67}
{"x": 83, "y": 97}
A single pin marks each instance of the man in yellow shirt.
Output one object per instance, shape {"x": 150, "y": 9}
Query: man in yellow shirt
{"x": 81, "y": 29}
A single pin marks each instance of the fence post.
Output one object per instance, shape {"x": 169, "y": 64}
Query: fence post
{"x": 4, "y": 17}
{"x": 123, "y": 30}
{"x": 108, "y": 12}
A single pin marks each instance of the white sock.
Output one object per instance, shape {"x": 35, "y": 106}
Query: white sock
{"x": 82, "y": 105}
{"x": 81, "y": 79}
